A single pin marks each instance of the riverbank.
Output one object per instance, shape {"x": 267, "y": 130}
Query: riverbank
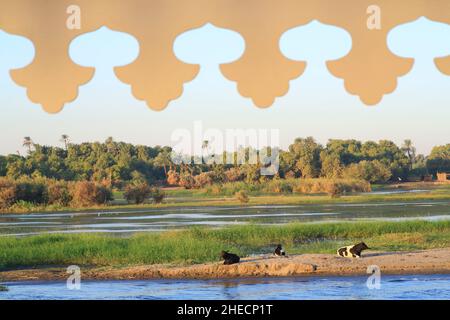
{"x": 434, "y": 261}
{"x": 182, "y": 198}
{"x": 195, "y": 251}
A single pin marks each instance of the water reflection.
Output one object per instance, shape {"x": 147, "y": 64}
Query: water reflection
{"x": 156, "y": 220}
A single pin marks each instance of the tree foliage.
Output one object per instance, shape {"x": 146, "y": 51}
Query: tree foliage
{"x": 439, "y": 159}
{"x": 117, "y": 164}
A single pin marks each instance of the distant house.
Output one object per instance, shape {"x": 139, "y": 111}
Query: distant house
{"x": 443, "y": 177}
{"x": 427, "y": 178}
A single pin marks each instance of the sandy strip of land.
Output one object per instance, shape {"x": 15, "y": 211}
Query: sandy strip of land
{"x": 419, "y": 262}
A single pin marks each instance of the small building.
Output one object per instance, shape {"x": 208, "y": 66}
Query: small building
{"x": 427, "y": 178}
{"x": 443, "y": 177}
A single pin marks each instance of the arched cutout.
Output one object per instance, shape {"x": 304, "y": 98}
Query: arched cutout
{"x": 209, "y": 45}
{"x": 316, "y": 42}
{"x": 104, "y": 48}
{"x": 15, "y": 51}
{"x": 422, "y": 38}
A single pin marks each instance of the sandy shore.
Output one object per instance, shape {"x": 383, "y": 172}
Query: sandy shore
{"x": 418, "y": 262}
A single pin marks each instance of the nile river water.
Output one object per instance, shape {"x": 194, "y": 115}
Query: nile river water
{"x": 392, "y": 287}
{"x": 127, "y": 221}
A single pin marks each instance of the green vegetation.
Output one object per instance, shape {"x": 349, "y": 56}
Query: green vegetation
{"x": 137, "y": 192}
{"x": 242, "y": 196}
{"x": 199, "y": 245}
{"x": 203, "y": 197}
{"x": 291, "y": 185}
{"x": 439, "y": 159}
{"x": 116, "y": 164}
{"x": 3, "y": 288}
{"x": 87, "y": 175}
{"x": 25, "y": 192}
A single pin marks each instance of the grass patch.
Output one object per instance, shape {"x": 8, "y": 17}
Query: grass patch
{"x": 192, "y": 198}
{"x": 198, "y": 245}
{"x": 288, "y": 186}
{"x": 3, "y": 288}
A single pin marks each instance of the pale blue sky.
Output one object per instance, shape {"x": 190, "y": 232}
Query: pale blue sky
{"x": 316, "y": 105}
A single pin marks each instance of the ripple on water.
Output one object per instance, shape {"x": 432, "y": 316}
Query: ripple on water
{"x": 353, "y": 287}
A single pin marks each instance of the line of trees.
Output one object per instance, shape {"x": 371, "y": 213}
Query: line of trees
{"x": 117, "y": 164}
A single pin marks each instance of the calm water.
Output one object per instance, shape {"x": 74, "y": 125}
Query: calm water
{"x": 151, "y": 220}
{"x": 303, "y": 288}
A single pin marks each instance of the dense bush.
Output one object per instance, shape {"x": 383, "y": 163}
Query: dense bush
{"x": 137, "y": 192}
{"x": 87, "y": 193}
{"x": 439, "y": 159}
{"x": 280, "y": 186}
{"x": 372, "y": 171}
{"x": 7, "y": 193}
{"x": 295, "y": 185}
{"x": 233, "y": 175}
{"x": 187, "y": 181}
{"x": 173, "y": 178}
{"x": 32, "y": 191}
{"x": 157, "y": 195}
{"x": 27, "y": 193}
{"x": 24, "y": 190}
{"x": 58, "y": 193}
{"x": 203, "y": 179}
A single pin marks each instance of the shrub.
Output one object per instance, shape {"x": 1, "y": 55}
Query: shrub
{"x": 289, "y": 175}
{"x": 7, "y": 193}
{"x": 203, "y": 179}
{"x": 157, "y": 195}
{"x": 187, "y": 181}
{"x": 32, "y": 191}
{"x": 215, "y": 189}
{"x": 58, "y": 193}
{"x": 279, "y": 186}
{"x": 233, "y": 174}
{"x": 242, "y": 196}
{"x": 137, "y": 192}
{"x": 334, "y": 190}
{"x": 173, "y": 178}
{"x": 87, "y": 193}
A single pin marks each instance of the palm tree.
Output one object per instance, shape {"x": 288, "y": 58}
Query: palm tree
{"x": 205, "y": 146}
{"x": 410, "y": 151}
{"x": 163, "y": 159}
{"x": 28, "y": 142}
{"x": 111, "y": 145}
{"x": 65, "y": 139}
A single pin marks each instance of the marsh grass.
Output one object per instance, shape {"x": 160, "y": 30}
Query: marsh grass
{"x": 200, "y": 198}
{"x": 289, "y": 186}
{"x": 198, "y": 245}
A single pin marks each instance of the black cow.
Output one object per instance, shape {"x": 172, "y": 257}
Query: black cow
{"x": 279, "y": 251}
{"x": 230, "y": 258}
